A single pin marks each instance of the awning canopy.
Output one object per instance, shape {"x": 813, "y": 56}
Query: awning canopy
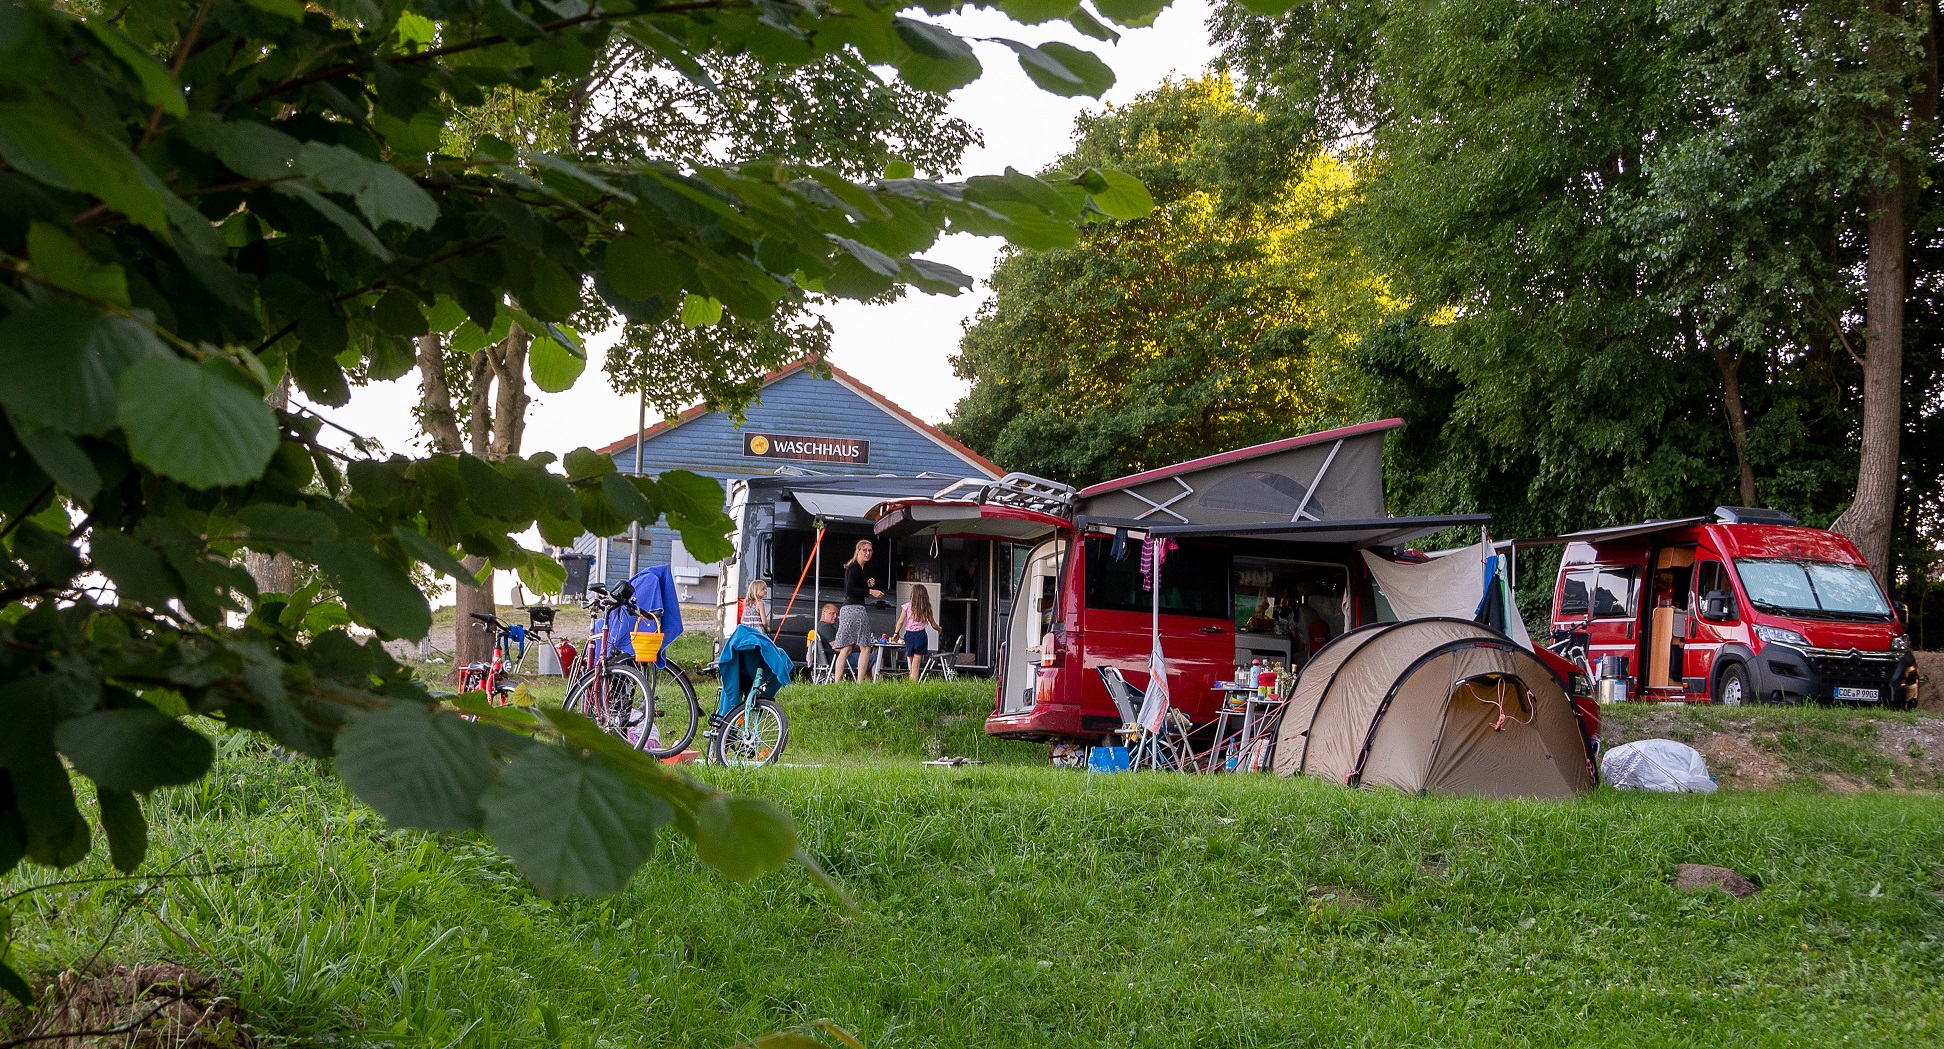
{"x": 1597, "y": 535}
{"x": 837, "y": 506}
{"x": 1380, "y": 531}
{"x": 968, "y": 519}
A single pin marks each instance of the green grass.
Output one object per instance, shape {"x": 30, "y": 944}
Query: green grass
{"x": 1030, "y": 907}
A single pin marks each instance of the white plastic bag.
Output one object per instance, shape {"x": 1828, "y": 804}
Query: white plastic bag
{"x": 1658, "y": 765}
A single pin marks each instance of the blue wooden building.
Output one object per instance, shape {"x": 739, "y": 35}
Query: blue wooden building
{"x": 800, "y": 422}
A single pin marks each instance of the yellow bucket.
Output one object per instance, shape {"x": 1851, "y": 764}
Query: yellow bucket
{"x": 647, "y": 643}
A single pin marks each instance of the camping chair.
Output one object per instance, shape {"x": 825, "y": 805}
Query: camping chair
{"x": 822, "y": 661}
{"x": 541, "y": 619}
{"x": 944, "y": 664}
{"x": 1167, "y": 750}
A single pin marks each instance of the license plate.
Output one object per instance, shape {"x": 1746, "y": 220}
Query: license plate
{"x": 1861, "y": 695}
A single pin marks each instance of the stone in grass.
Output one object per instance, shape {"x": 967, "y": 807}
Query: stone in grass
{"x": 1699, "y": 877}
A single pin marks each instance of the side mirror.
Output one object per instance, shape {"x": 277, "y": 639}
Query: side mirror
{"x": 1903, "y": 613}
{"x": 1717, "y": 605}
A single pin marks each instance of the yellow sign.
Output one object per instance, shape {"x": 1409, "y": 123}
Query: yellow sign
{"x": 759, "y": 444}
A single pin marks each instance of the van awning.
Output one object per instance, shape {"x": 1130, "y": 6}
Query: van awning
{"x": 836, "y": 506}
{"x": 969, "y": 519}
{"x": 1597, "y": 535}
{"x": 1379, "y": 531}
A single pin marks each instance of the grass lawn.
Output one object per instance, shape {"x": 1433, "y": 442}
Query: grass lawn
{"x": 1027, "y": 906}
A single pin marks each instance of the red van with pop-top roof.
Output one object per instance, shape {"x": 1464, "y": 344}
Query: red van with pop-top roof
{"x": 1741, "y": 606}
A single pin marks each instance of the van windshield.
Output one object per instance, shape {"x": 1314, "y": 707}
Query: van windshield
{"x": 1813, "y": 588}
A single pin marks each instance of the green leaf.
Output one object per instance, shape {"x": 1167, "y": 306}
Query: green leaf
{"x": 700, "y": 311}
{"x": 937, "y": 60}
{"x": 135, "y": 567}
{"x": 134, "y": 748}
{"x": 1091, "y": 26}
{"x": 744, "y": 837}
{"x": 378, "y": 591}
{"x": 383, "y": 193}
{"x": 430, "y": 552}
{"x": 11, "y": 983}
{"x": 61, "y": 459}
{"x": 1063, "y": 69}
{"x": 625, "y": 495}
{"x": 347, "y": 223}
{"x": 418, "y": 768}
{"x": 1270, "y": 8}
{"x": 693, "y": 505}
{"x": 283, "y": 525}
{"x": 64, "y": 361}
{"x": 61, "y": 261}
{"x": 53, "y": 144}
{"x": 640, "y": 268}
{"x": 397, "y": 313}
{"x": 127, "y": 831}
{"x": 554, "y": 367}
{"x": 200, "y": 424}
{"x": 1135, "y": 13}
{"x": 573, "y": 824}
{"x": 1124, "y": 197}
{"x": 585, "y": 464}
{"x": 895, "y": 169}
{"x": 1033, "y": 12}
{"x": 159, "y": 86}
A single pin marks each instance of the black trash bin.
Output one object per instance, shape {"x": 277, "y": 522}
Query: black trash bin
{"x": 578, "y": 567}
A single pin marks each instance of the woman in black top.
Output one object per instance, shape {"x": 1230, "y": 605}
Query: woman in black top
{"x": 853, "y": 623}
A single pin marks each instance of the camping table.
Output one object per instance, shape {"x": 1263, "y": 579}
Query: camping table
{"x": 884, "y": 652}
{"x": 1251, "y": 724}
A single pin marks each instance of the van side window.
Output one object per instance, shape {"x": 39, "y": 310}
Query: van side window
{"x": 1710, "y": 576}
{"x": 1572, "y": 597}
{"x": 1194, "y": 579}
{"x": 1613, "y": 594}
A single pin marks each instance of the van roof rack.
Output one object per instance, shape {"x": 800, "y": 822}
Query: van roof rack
{"x": 1753, "y": 515}
{"x": 1019, "y": 490}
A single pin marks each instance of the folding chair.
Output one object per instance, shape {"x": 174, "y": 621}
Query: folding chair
{"x": 540, "y": 632}
{"x": 1167, "y": 750}
{"x": 944, "y": 664}
{"x": 822, "y": 661}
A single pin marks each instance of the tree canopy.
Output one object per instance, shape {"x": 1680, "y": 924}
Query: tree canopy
{"x": 1206, "y": 325}
{"x": 203, "y": 197}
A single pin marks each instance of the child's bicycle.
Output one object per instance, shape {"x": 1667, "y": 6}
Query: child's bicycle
{"x": 650, "y": 706}
{"x": 490, "y": 677}
{"x": 754, "y": 731}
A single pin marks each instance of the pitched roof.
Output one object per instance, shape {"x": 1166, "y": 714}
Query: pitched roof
{"x": 930, "y": 432}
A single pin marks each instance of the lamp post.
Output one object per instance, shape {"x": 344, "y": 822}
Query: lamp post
{"x": 634, "y": 527}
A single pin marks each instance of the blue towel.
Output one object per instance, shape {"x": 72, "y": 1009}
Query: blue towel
{"x": 750, "y": 661}
{"x": 654, "y": 591}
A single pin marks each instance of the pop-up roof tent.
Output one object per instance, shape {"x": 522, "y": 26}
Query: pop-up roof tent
{"x": 1440, "y": 706}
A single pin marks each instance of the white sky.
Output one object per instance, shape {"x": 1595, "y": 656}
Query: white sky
{"x": 901, "y": 350}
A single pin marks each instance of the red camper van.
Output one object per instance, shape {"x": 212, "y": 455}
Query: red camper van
{"x": 1258, "y": 560}
{"x": 1741, "y": 606}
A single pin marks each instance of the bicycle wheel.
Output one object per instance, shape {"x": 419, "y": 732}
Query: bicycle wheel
{"x": 675, "y": 712}
{"x": 754, "y": 735}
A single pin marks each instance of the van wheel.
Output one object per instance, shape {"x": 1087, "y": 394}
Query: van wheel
{"x": 1732, "y": 688}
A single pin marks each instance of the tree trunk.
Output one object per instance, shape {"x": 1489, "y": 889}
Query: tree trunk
{"x": 1869, "y": 519}
{"x": 510, "y": 399}
{"x": 471, "y": 644}
{"x": 1731, "y": 403}
{"x": 435, "y": 398}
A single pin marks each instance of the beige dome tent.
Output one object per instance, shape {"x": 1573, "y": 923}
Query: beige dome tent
{"x": 1441, "y": 706}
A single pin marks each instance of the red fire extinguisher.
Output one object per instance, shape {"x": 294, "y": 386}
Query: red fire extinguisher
{"x": 565, "y": 649}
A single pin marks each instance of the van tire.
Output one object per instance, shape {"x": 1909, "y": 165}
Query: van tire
{"x": 1732, "y": 688}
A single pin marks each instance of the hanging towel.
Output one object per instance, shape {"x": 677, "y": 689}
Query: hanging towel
{"x": 1153, "y": 553}
{"x": 1119, "y": 549}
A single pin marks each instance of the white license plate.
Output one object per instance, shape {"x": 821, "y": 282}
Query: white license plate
{"x": 1861, "y": 695}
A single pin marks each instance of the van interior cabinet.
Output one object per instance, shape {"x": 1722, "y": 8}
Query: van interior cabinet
{"x": 1664, "y": 642}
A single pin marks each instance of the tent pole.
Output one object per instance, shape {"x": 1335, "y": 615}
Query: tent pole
{"x": 1156, "y": 582}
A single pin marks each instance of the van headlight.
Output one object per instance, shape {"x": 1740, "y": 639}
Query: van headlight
{"x": 1899, "y": 643}
{"x": 1781, "y": 636}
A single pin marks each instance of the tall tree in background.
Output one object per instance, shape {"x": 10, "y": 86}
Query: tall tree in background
{"x": 1649, "y": 249}
{"x": 1204, "y": 326}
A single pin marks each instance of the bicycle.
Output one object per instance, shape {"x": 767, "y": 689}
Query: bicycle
{"x": 753, "y": 734}
{"x": 490, "y": 678}
{"x": 625, "y": 698}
